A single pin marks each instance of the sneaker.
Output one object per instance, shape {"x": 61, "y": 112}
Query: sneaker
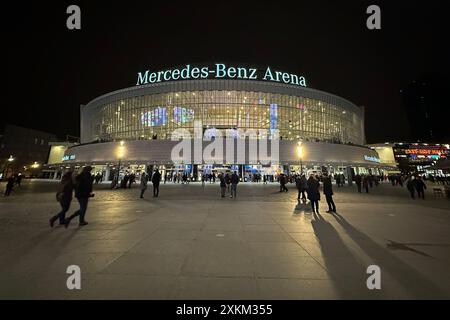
{"x": 83, "y": 223}
{"x": 329, "y": 211}
{"x": 51, "y": 222}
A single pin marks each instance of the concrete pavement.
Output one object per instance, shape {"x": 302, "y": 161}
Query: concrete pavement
{"x": 191, "y": 244}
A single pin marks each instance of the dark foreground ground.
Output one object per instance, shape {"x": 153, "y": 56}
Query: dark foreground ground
{"x": 191, "y": 244}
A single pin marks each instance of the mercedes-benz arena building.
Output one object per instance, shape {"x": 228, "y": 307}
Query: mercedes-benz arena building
{"x": 143, "y": 118}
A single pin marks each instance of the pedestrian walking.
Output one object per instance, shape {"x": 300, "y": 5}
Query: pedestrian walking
{"x": 328, "y": 192}
{"x": 131, "y": 180}
{"x": 9, "y": 185}
{"x": 223, "y": 185}
{"x": 156, "y": 180}
{"x": 83, "y": 191}
{"x": 64, "y": 197}
{"x": 234, "y": 183}
{"x": 283, "y": 180}
{"x": 301, "y": 184}
{"x": 420, "y": 187}
{"x": 144, "y": 181}
{"x": 410, "y": 186}
{"x": 337, "y": 177}
{"x": 19, "y": 179}
{"x": 358, "y": 182}
{"x": 313, "y": 193}
{"x": 365, "y": 182}
{"x": 228, "y": 181}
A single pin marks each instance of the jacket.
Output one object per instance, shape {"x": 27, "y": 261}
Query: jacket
{"x": 234, "y": 178}
{"x": 156, "y": 178}
{"x": 83, "y": 185}
{"x": 313, "y": 189}
{"x": 327, "y": 186}
{"x": 65, "y": 190}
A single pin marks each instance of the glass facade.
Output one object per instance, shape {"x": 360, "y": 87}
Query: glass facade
{"x": 155, "y": 116}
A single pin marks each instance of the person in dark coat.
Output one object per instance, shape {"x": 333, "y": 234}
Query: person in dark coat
{"x": 19, "y": 179}
{"x": 410, "y": 187}
{"x": 83, "y": 191}
{"x": 9, "y": 185}
{"x": 228, "y": 181}
{"x": 358, "y": 182}
{"x": 283, "y": 181}
{"x": 156, "y": 179}
{"x": 64, "y": 197}
{"x": 328, "y": 192}
{"x": 301, "y": 184}
{"x": 337, "y": 177}
{"x": 420, "y": 187}
{"x": 313, "y": 193}
{"x": 234, "y": 183}
{"x": 223, "y": 185}
{"x": 131, "y": 180}
{"x": 365, "y": 182}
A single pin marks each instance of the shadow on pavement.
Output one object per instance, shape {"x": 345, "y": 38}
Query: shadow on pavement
{"x": 348, "y": 274}
{"x": 414, "y": 282}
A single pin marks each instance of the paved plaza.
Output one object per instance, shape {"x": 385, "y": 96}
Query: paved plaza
{"x": 191, "y": 244}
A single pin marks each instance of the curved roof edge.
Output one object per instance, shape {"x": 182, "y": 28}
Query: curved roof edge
{"x": 225, "y": 84}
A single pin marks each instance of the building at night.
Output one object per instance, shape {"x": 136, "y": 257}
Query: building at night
{"x": 144, "y": 116}
{"x": 426, "y": 107}
{"x": 412, "y": 157}
{"x": 24, "y": 150}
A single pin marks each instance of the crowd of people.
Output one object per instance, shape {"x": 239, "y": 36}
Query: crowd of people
{"x": 81, "y": 186}
{"x": 310, "y": 189}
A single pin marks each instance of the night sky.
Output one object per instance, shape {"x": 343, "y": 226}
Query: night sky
{"x": 51, "y": 70}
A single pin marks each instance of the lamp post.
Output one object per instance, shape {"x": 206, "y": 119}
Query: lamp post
{"x": 6, "y": 165}
{"x": 120, "y": 153}
{"x": 300, "y": 155}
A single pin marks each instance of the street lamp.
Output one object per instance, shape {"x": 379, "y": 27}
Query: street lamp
{"x": 120, "y": 152}
{"x": 300, "y": 155}
{"x": 35, "y": 165}
{"x": 11, "y": 158}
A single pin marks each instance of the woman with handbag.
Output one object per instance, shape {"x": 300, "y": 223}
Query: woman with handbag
{"x": 64, "y": 197}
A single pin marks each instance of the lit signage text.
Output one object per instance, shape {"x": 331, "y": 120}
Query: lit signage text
{"x": 219, "y": 71}
{"x": 68, "y": 157}
{"x": 424, "y": 151}
{"x": 372, "y": 159}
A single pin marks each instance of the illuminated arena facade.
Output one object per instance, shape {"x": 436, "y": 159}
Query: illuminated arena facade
{"x": 142, "y": 118}
{"x": 156, "y": 110}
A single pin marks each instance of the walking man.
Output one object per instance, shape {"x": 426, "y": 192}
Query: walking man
{"x": 365, "y": 181}
{"x": 9, "y": 185}
{"x": 223, "y": 185}
{"x": 234, "y": 183}
{"x": 313, "y": 193}
{"x": 64, "y": 197}
{"x": 358, "y": 182}
{"x": 283, "y": 181}
{"x": 300, "y": 183}
{"x": 328, "y": 192}
{"x": 410, "y": 186}
{"x": 228, "y": 181}
{"x": 420, "y": 187}
{"x": 156, "y": 180}
{"x": 83, "y": 191}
